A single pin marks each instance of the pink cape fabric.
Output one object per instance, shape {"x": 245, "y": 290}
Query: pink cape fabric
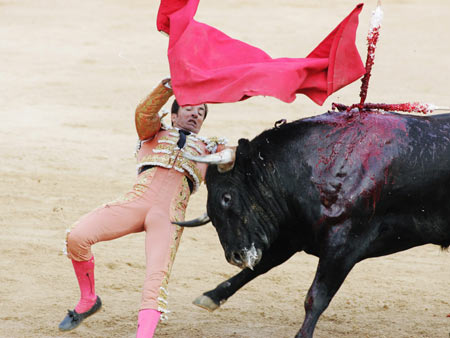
{"x": 207, "y": 66}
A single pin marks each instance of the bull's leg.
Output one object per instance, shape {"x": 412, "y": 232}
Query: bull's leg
{"x": 337, "y": 259}
{"x": 211, "y": 300}
{"x": 277, "y": 254}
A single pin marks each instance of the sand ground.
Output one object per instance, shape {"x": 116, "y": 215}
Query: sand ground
{"x": 71, "y": 74}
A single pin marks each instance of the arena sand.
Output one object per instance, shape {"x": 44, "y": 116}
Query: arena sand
{"x": 71, "y": 74}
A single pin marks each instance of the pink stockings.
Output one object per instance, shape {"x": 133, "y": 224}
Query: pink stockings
{"x": 147, "y": 322}
{"x": 147, "y": 319}
{"x": 159, "y": 196}
{"x": 85, "y": 276}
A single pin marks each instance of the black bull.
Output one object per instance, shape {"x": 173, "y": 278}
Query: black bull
{"x": 343, "y": 187}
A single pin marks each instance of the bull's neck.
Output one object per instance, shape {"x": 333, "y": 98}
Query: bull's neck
{"x": 269, "y": 192}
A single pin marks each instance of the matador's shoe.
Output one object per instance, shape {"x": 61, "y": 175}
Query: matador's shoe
{"x": 73, "y": 319}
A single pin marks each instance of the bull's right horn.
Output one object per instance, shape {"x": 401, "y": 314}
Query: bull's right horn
{"x": 224, "y": 159}
{"x": 202, "y": 220}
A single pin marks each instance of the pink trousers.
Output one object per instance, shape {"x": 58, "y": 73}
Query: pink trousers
{"x": 159, "y": 196}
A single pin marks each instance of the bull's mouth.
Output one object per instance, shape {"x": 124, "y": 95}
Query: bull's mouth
{"x": 246, "y": 258}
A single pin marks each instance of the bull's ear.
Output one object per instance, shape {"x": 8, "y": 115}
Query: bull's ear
{"x": 244, "y": 148}
{"x": 244, "y": 156}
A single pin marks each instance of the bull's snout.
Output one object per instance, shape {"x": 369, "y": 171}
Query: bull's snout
{"x": 245, "y": 258}
{"x": 236, "y": 258}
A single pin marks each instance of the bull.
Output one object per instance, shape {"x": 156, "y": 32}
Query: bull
{"x": 343, "y": 186}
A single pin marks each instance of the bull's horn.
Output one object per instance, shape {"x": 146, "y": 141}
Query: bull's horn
{"x": 202, "y": 220}
{"x": 224, "y": 159}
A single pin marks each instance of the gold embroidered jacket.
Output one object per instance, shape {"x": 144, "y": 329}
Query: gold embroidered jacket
{"x": 158, "y": 143}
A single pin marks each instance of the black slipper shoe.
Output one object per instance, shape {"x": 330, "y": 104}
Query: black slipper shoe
{"x": 73, "y": 318}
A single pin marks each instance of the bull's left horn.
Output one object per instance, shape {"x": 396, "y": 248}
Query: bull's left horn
{"x": 224, "y": 159}
{"x": 202, "y": 220}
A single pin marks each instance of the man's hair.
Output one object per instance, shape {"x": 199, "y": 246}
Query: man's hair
{"x": 176, "y": 106}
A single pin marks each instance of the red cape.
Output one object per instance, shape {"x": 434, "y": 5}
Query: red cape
{"x": 206, "y": 65}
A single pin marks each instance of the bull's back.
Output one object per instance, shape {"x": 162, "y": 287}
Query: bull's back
{"x": 387, "y": 164}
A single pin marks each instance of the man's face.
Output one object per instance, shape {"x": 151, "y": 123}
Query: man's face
{"x": 189, "y": 118}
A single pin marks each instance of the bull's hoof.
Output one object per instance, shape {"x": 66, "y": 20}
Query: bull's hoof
{"x": 206, "y": 303}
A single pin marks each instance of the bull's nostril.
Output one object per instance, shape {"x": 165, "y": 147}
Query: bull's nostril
{"x": 237, "y": 257}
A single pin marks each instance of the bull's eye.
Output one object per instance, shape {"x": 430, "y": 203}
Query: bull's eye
{"x": 226, "y": 200}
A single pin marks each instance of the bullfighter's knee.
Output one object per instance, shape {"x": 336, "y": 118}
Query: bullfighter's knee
{"x": 78, "y": 246}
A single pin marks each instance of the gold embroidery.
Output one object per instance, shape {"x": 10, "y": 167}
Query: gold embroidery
{"x": 168, "y": 139}
{"x": 218, "y": 140}
{"x": 139, "y": 188}
{"x": 193, "y": 150}
{"x": 164, "y": 148}
{"x": 180, "y": 201}
{"x": 177, "y": 211}
{"x": 147, "y": 119}
{"x": 213, "y": 142}
{"x": 193, "y": 146}
{"x": 166, "y": 151}
{"x": 163, "y": 160}
{"x": 191, "y": 169}
{"x": 181, "y": 164}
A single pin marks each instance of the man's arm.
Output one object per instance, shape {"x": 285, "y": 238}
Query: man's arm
{"x": 147, "y": 120}
{"x": 215, "y": 144}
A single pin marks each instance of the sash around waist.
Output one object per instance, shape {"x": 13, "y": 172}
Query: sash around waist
{"x": 146, "y": 167}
